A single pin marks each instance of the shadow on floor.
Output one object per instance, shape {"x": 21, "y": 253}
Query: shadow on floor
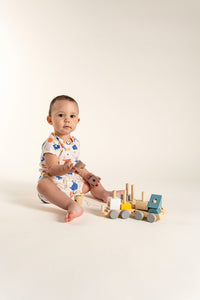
{"x": 92, "y": 205}
{"x": 25, "y": 194}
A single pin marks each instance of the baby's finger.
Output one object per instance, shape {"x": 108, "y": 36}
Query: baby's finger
{"x": 67, "y": 161}
{"x": 71, "y": 166}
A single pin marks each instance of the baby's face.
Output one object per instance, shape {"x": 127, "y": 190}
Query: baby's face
{"x": 64, "y": 117}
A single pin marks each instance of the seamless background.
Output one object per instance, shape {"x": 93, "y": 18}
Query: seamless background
{"x": 133, "y": 67}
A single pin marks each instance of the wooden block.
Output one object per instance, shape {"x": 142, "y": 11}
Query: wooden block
{"x": 155, "y": 201}
{"x": 125, "y": 206}
{"x": 141, "y": 205}
{"x": 93, "y": 180}
{"x": 79, "y": 199}
{"x": 79, "y": 165}
{"x": 154, "y": 211}
{"x": 114, "y": 203}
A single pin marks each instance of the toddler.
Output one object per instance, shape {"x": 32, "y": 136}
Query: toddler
{"x": 60, "y": 181}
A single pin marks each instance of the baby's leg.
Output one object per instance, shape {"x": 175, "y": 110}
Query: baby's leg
{"x": 86, "y": 188}
{"x": 53, "y": 194}
{"x": 100, "y": 193}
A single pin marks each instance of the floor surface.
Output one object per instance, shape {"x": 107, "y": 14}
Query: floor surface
{"x": 98, "y": 258}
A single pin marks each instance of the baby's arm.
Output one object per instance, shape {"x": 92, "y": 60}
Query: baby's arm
{"x": 54, "y": 168}
{"x": 84, "y": 173}
{"x": 87, "y": 175}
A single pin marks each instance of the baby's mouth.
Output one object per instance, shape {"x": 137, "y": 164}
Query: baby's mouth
{"x": 67, "y": 126}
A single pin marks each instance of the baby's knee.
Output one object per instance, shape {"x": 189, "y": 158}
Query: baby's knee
{"x": 43, "y": 185}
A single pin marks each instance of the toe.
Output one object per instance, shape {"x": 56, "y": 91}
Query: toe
{"x": 67, "y": 218}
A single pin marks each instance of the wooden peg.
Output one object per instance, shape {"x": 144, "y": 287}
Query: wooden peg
{"x": 132, "y": 193}
{"x": 127, "y": 188}
{"x": 143, "y": 197}
{"x": 102, "y": 208}
{"x": 114, "y": 194}
{"x": 124, "y": 197}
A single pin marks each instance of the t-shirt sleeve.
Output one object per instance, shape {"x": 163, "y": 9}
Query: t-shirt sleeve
{"x": 76, "y": 147}
{"x": 51, "y": 146}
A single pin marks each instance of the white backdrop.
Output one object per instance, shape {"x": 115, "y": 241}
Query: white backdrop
{"x": 133, "y": 66}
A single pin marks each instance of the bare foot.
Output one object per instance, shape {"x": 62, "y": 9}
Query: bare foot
{"x": 109, "y": 194}
{"x": 74, "y": 211}
{"x": 100, "y": 193}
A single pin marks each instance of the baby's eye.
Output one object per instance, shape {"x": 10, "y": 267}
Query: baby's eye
{"x": 72, "y": 116}
{"x": 61, "y": 115}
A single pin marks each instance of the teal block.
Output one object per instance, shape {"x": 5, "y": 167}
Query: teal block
{"x": 154, "y": 211}
{"x": 158, "y": 203}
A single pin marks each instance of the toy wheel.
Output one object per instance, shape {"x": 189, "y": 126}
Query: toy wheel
{"x": 124, "y": 214}
{"x": 139, "y": 215}
{"x": 114, "y": 214}
{"x": 151, "y": 218}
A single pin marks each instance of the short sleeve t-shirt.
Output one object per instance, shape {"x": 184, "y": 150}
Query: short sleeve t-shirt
{"x": 63, "y": 150}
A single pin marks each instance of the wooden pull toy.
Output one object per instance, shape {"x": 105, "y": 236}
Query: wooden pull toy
{"x": 151, "y": 210}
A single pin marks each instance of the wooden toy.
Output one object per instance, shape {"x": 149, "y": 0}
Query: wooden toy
{"x": 116, "y": 207}
{"x": 79, "y": 165}
{"x": 79, "y": 199}
{"x": 114, "y": 202}
{"x": 139, "y": 209}
{"x": 154, "y": 205}
{"x": 93, "y": 180}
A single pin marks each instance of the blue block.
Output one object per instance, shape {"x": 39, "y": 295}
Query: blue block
{"x": 157, "y": 199}
{"x": 154, "y": 211}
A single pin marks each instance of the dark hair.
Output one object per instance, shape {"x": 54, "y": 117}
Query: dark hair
{"x": 61, "y": 97}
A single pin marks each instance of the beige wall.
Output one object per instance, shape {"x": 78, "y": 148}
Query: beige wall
{"x": 133, "y": 66}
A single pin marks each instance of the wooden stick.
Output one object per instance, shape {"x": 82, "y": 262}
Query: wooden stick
{"x": 102, "y": 208}
{"x": 143, "y": 198}
{"x": 132, "y": 193}
{"x": 124, "y": 197}
{"x": 114, "y": 194}
{"x": 127, "y": 188}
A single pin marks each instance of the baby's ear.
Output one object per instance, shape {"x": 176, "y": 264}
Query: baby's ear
{"x": 49, "y": 120}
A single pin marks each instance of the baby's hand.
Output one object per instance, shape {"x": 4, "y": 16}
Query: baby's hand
{"x": 69, "y": 167}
